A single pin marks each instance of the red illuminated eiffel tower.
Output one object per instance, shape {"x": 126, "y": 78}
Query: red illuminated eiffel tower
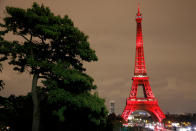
{"x": 149, "y": 103}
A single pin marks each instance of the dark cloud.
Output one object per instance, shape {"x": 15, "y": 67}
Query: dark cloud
{"x": 169, "y": 46}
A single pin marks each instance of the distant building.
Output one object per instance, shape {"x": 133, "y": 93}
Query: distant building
{"x": 112, "y": 107}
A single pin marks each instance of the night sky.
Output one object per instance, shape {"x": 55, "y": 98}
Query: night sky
{"x": 169, "y": 47}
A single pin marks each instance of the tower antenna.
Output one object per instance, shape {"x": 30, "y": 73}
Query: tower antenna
{"x": 138, "y": 13}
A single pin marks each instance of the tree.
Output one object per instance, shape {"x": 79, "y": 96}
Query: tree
{"x": 3, "y": 55}
{"x": 16, "y": 112}
{"x": 53, "y": 50}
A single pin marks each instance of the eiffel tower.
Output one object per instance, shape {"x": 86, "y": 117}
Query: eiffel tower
{"x": 149, "y": 103}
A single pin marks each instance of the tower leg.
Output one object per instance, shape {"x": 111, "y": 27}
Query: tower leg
{"x": 133, "y": 92}
{"x": 151, "y": 106}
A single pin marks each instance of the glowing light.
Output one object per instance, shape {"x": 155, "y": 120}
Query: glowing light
{"x": 182, "y": 129}
{"x": 188, "y": 128}
{"x": 130, "y": 117}
{"x": 175, "y": 124}
{"x": 150, "y": 126}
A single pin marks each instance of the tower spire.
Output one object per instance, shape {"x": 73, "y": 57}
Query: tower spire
{"x": 140, "y": 67}
{"x": 138, "y": 13}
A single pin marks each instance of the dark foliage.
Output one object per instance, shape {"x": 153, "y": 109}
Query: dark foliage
{"x": 16, "y": 112}
{"x": 189, "y": 117}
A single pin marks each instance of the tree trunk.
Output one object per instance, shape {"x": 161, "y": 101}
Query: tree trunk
{"x": 36, "y": 107}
